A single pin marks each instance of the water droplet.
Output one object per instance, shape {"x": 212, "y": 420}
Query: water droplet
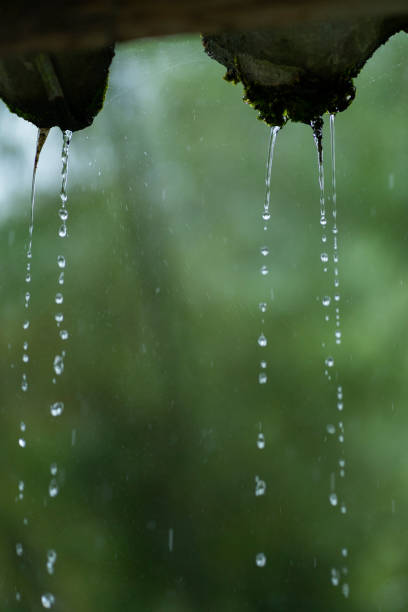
{"x": 341, "y": 439}
{"x": 342, "y": 462}
{"x": 63, "y": 334}
{"x": 324, "y": 238}
{"x": 260, "y": 486}
{"x": 53, "y": 488}
{"x": 19, "y": 549}
{"x": 331, "y": 429}
{"x": 59, "y": 298}
{"x": 266, "y": 215}
{"x": 263, "y": 364}
{"x": 63, "y": 214}
{"x": 335, "y": 577}
{"x": 25, "y": 358}
{"x": 343, "y": 509}
{"x": 21, "y": 485}
{"x": 344, "y": 552}
{"x": 25, "y": 345}
{"x": 47, "y": 600}
{"x": 333, "y": 499}
{"x": 262, "y": 341}
{"x": 260, "y": 441}
{"x": 264, "y": 251}
{"x": 262, "y": 306}
{"x": 61, "y": 261}
{"x": 51, "y": 559}
{"x": 324, "y": 257}
{"x": 58, "y": 365}
{"x": 26, "y": 324}
{"x": 28, "y": 278}
{"x": 53, "y": 469}
{"x": 22, "y": 442}
{"x": 57, "y": 408}
{"x": 264, "y": 271}
{"x": 326, "y": 300}
{"x": 260, "y": 560}
{"x": 62, "y": 232}
{"x": 323, "y": 221}
{"x": 262, "y": 378}
{"x": 61, "y": 279}
{"x": 345, "y": 589}
{"x": 337, "y": 297}
{"x": 24, "y": 383}
{"x": 59, "y": 317}
{"x": 336, "y": 282}
{"x": 329, "y": 362}
{"x": 27, "y": 299}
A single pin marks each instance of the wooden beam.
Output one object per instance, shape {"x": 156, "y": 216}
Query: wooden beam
{"x": 56, "y": 25}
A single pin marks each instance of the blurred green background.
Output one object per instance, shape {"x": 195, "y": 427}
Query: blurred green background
{"x": 156, "y": 447}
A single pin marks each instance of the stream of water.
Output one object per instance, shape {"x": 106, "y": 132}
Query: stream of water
{"x": 56, "y": 408}
{"x": 330, "y": 301}
{"x": 260, "y": 484}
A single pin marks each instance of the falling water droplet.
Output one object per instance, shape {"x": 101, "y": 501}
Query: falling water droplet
{"x": 260, "y": 560}
{"x": 47, "y": 600}
{"x": 260, "y": 442}
{"x": 262, "y": 378}
{"x": 263, "y": 364}
{"x": 64, "y": 334}
{"x": 61, "y": 279}
{"x": 59, "y": 317}
{"x": 345, "y": 589}
{"x": 58, "y": 365}
{"x": 326, "y": 300}
{"x": 59, "y": 298}
{"x": 26, "y": 324}
{"x": 63, "y": 214}
{"x": 21, "y": 442}
{"x": 264, "y": 270}
{"x": 331, "y": 429}
{"x": 53, "y": 469}
{"x": 51, "y": 559}
{"x": 57, "y": 408}
{"x": 53, "y": 488}
{"x": 323, "y": 221}
{"x": 24, "y": 383}
{"x": 260, "y": 486}
{"x": 264, "y": 251}
{"x": 335, "y": 577}
{"x": 324, "y": 257}
{"x": 333, "y": 499}
{"x": 262, "y": 306}
{"x": 19, "y": 549}
{"x": 262, "y": 341}
{"x": 266, "y": 215}
{"x": 61, "y": 261}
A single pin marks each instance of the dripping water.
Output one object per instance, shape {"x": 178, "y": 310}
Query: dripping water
{"x": 260, "y": 484}
{"x": 328, "y": 301}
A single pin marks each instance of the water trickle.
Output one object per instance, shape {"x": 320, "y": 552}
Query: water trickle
{"x": 19, "y": 549}
{"x": 330, "y": 259}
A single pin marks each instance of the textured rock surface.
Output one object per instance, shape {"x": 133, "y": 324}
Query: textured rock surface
{"x": 299, "y": 72}
{"x": 59, "y": 89}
